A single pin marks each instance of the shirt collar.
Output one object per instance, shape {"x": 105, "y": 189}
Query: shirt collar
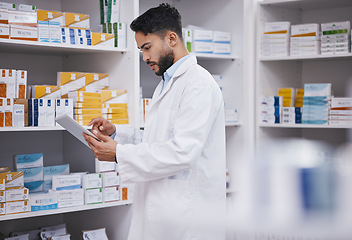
{"x": 171, "y": 70}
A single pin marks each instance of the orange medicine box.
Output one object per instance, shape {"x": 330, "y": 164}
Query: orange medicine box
{"x": 17, "y": 207}
{"x": 9, "y": 112}
{"x": 2, "y": 112}
{"x": 11, "y": 179}
{"x": 2, "y": 209}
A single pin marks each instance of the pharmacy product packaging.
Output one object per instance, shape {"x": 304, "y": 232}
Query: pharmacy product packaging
{"x": 76, "y": 20}
{"x": 21, "y": 84}
{"x": 104, "y": 166}
{"x": 70, "y": 195}
{"x": 51, "y": 171}
{"x": 11, "y": 179}
{"x": 27, "y": 33}
{"x": 111, "y": 179}
{"x": 22, "y": 18}
{"x": 43, "y": 31}
{"x": 17, "y": 207}
{"x": 16, "y": 194}
{"x": 32, "y": 174}
{"x": 37, "y": 186}
{"x": 30, "y": 160}
{"x": 95, "y": 234}
{"x": 43, "y": 201}
{"x": 92, "y": 180}
{"x": 93, "y": 196}
{"x": 111, "y": 194}
{"x": 66, "y": 182}
{"x": 4, "y": 29}
{"x": 18, "y": 115}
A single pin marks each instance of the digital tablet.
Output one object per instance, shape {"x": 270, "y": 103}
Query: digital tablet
{"x": 74, "y": 128}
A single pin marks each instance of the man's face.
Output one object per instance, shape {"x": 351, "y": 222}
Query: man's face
{"x": 156, "y": 52}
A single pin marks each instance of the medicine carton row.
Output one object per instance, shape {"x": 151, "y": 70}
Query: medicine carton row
{"x": 33, "y": 112}
{"x": 200, "y": 40}
{"x": 34, "y": 187}
{"x": 28, "y": 23}
{"x": 318, "y": 106}
{"x": 284, "y": 39}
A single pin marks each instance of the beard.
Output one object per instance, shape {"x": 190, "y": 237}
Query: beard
{"x": 165, "y": 62}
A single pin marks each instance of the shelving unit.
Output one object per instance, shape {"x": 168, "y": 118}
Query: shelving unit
{"x": 276, "y": 72}
{"x": 42, "y": 62}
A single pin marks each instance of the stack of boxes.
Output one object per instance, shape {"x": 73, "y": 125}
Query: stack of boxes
{"x": 33, "y": 172}
{"x": 110, "y": 22}
{"x": 305, "y": 39}
{"x": 341, "y": 111}
{"x": 335, "y": 38}
{"x": 92, "y": 184}
{"x": 275, "y": 39}
{"x": 90, "y": 106}
{"x": 271, "y": 109}
{"x": 115, "y": 106}
{"x": 13, "y": 195}
{"x": 316, "y": 103}
{"x": 199, "y": 40}
{"x": 13, "y": 85}
{"x": 68, "y": 189}
{"x": 22, "y": 23}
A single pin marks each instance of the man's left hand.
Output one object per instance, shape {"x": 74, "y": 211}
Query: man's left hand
{"x": 104, "y": 150}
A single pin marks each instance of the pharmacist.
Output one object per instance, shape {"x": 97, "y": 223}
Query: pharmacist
{"x": 179, "y": 168}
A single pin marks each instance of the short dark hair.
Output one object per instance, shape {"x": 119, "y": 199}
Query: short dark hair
{"x": 159, "y": 20}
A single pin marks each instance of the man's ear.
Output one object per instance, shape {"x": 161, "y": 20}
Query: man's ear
{"x": 172, "y": 38}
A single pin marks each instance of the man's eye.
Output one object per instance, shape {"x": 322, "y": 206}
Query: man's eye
{"x": 147, "y": 48}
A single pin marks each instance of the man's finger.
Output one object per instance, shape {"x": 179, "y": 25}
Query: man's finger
{"x": 102, "y": 137}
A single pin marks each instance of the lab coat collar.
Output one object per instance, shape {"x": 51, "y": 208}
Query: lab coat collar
{"x": 192, "y": 60}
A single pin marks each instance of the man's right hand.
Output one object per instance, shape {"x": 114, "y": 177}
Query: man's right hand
{"x": 102, "y": 125}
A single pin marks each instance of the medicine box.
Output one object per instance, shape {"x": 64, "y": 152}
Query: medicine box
{"x": 51, "y": 16}
{"x": 32, "y": 174}
{"x": 43, "y": 31}
{"x": 51, "y": 171}
{"x": 317, "y": 89}
{"x": 277, "y": 28}
{"x": 222, "y": 37}
{"x": 222, "y": 48}
{"x": 2, "y": 208}
{"x": 28, "y": 160}
{"x": 104, "y": 166}
{"x": 21, "y": 84}
{"x": 18, "y": 115}
{"x": 111, "y": 179}
{"x": 305, "y": 30}
{"x": 70, "y": 195}
{"x": 200, "y": 35}
{"x": 17, "y": 194}
{"x": 36, "y": 186}
{"x": 93, "y": 196}
{"x": 22, "y": 18}
{"x": 43, "y": 201}
{"x": 27, "y": 33}
{"x": 95, "y": 234}
{"x": 341, "y": 102}
{"x": 111, "y": 194}
{"x": 76, "y": 20}
{"x": 17, "y": 207}
{"x": 11, "y": 179}
{"x": 54, "y": 32}
{"x": 103, "y": 39}
{"x": 2, "y": 196}
{"x": 203, "y": 47}
{"x": 4, "y": 29}
{"x": 114, "y": 96}
{"x": 92, "y": 180}
{"x": 73, "y": 203}
{"x": 66, "y": 182}
{"x": 7, "y": 6}
{"x": 27, "y": 8}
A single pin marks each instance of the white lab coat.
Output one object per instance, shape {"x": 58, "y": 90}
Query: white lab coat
{"x": 179, "y": 168}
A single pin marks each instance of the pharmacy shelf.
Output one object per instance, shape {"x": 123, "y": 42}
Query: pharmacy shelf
{"x": 21, "y": 46}
{"x": 215, "y": 56}
{"x": 64, "y": 210}
{"x": 307, "y": 4}
{"x": 302, "y": 126}
{"x": 308, "y": 57}
{"x": 31, "y": 129}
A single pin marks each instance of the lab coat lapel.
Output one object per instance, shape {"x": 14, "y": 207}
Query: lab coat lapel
{"x": 181, "y": 70}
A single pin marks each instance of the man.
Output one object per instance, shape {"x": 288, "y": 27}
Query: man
{"x": 179, "y": 168}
